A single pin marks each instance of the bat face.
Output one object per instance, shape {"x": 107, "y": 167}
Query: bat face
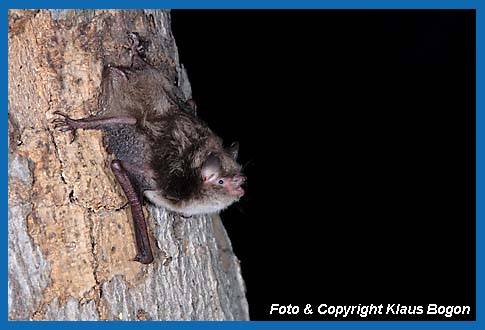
{"x": 222, "y": 178}
{"x": 230, "y": 185}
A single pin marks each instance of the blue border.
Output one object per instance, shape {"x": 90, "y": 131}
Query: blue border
{"x": 330, "y": 4}
{"x": 240, "y": 4}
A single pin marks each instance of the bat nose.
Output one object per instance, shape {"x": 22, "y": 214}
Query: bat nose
{"x": 239, "y": 179}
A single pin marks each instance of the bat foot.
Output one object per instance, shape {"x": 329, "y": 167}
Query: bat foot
{"x": 66, "y": 123}
{"x": 137, "y": 50}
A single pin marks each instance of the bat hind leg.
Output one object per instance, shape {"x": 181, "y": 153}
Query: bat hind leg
{"x": 65, "y": 123}
{"x": 144, "y": 254}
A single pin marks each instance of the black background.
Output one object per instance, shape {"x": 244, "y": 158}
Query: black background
{"x": 357, "y": 131}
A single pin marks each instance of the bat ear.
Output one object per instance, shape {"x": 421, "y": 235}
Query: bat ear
{"x": 210, "y": 169}
{"x": 234, "y": 150}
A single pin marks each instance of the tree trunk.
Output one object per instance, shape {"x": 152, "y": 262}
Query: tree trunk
{"x": 71, "y": 240}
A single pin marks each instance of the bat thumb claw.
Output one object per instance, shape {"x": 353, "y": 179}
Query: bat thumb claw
{"x": 73, "y": 136}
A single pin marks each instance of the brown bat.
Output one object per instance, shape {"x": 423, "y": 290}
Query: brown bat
{"x": 163, "y": 151}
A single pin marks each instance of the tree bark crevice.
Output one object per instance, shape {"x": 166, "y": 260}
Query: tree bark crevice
{"x": 71, "y": 242}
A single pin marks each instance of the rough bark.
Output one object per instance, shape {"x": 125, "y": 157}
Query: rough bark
{"x": 71, "y": 241}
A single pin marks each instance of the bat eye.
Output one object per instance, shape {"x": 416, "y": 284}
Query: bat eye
{"x": 220, "y": 181}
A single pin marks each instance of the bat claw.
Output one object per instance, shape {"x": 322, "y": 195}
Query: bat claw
{"x": 60, "y": 113}
{"x": 74, "y": 136}
{"x": 144, "y": 259}
{"x": 59, "y": 120}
